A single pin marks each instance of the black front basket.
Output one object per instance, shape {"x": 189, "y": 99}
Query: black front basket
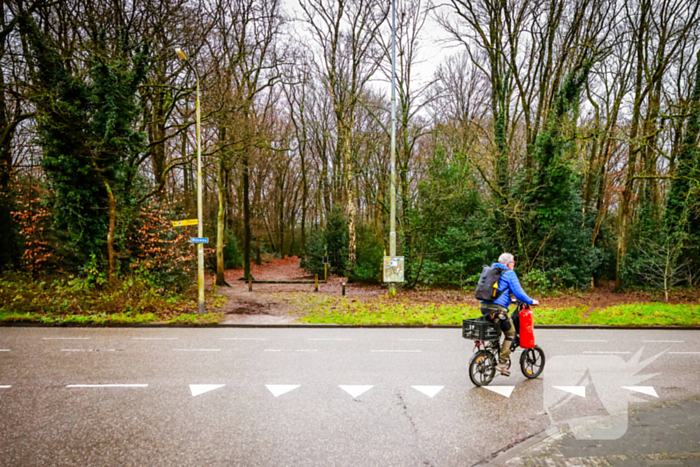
{"x": 480, "y": 330}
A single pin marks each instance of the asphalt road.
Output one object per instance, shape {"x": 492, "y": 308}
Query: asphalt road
{"x": 308, "y": 396}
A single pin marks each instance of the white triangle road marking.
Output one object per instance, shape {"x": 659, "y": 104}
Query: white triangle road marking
{"x": 279, "y": 389}
{"x": 198, "y": 389}
{"x": 576, "y": 390}
{"x": 355, "y": 391}
{"x": 648, "y": 390}
{"x": 502, "y": 390}
{"x": 429, "y": 391}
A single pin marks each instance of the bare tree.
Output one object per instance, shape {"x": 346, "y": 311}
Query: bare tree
{"x": 346, "y": 34}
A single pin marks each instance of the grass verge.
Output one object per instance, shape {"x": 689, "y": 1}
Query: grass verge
{"x": 74, "y": 301}
{"x": 320, "y": 309}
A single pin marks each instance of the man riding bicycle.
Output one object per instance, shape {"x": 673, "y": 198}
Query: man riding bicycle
{"x": 497, "y": 310}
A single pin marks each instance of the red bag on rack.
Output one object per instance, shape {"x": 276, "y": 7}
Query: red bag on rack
{"x": 527, "y": 328}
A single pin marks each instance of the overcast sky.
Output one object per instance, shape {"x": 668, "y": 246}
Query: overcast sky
{"x": 432, "y": 50}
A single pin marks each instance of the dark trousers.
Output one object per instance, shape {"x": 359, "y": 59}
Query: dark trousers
{"x": 499, "y": 315}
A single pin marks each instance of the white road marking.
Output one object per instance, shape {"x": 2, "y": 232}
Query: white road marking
{"x": 429, "y": 391}
{"x": 328, "y": 339}
{"x": 107, "y": 385}
{"x": 603, "y": 351}
{"x": 279, "y": 389}
{"x": 502, "y": 390}
{"x": 5, "y": 387}
{"x": 196, "y": 350}
{"x": 291, "y": 350}
{"x": 576, "y": 390}
{"x": 648, "y": 390}
{"x": 355, "y": 391}
{"x": 4, "y": 350}
{"x": 685, "y": 353}
{"x": 198, "y": 389}
{"x": 394, "y": 350}
{"x": 582, "y": 340}
{"x": 154, "y": 338}
{"x": 67, "y": 338}
{"x": 668, "y": 342}
{"x": 421, "y": 340}
{"x": 243, "y": 338}
{"x": 89, "y": 350}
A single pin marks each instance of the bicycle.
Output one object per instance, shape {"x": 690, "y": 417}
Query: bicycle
{"x": 486, "y": 336}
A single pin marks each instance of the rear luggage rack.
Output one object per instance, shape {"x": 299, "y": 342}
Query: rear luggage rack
{"x": 480, "y": 330}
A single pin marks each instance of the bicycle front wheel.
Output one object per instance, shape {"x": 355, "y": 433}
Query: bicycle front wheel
{"x": 482, "y": 368}
{"x": 532, "y": 362}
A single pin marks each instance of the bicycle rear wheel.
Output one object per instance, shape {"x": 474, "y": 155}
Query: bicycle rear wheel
{"x": 482, "y": 368}
{"x": 532, "y": 362}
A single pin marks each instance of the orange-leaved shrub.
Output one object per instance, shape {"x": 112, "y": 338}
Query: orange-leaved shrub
{"x": 160, "y": 253}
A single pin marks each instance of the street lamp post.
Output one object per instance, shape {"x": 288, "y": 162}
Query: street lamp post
{"x": 200, "y": 247}
{"x": 392, "y": 221}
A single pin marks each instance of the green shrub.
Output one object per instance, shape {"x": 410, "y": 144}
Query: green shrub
{"x": 536, "y": 281}
{"x": 370, "y": 255}
{"x": 332, "y": 239}
{"x": 232, "y": 255}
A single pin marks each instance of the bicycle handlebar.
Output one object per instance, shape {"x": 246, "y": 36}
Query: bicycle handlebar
{"x": 520, "y": 302}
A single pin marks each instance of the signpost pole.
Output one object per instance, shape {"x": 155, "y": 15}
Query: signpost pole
{"x": 200, "y": 233}
{"x": 200, "y": 247}
{"x": 392, "y": 222}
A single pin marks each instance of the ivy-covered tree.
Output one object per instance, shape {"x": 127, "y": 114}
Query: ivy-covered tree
{"x": 86, "y": 126}
{"x": 558, "y": 238}
{"x": 683, "y": 196}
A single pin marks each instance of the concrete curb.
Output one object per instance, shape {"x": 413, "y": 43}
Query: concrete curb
{"x": 332, "y": 326}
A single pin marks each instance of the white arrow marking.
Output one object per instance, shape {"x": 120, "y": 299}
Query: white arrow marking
{"x": 576, "y": 390}
{"x": 648, "y": 390}
{"x": 198, "y": 389}
{"x": 279, "y": 389}
{"x": 502, "y": 390}
{"x": 429, "y": 391}
{"x": 355, "y": 391}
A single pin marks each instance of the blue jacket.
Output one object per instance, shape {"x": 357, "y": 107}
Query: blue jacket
{"x": 509, "y": 280}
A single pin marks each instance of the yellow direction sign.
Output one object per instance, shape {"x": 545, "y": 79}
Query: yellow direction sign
{"x": 185, "y": 222}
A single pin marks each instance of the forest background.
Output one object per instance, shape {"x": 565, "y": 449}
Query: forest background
{"x": 563, "y": 131}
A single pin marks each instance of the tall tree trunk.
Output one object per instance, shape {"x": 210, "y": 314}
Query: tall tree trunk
{"x": 156, "y": 134}
{"x": 220, "y": 217}
{"x": 634, "y": 146}
{"x": 245, "y": 160}
{"x": 304, "y": 195}
{"x": 7, "y": 235}
{"x": 110, "y": 234}
{"x": 350, "y": 191}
